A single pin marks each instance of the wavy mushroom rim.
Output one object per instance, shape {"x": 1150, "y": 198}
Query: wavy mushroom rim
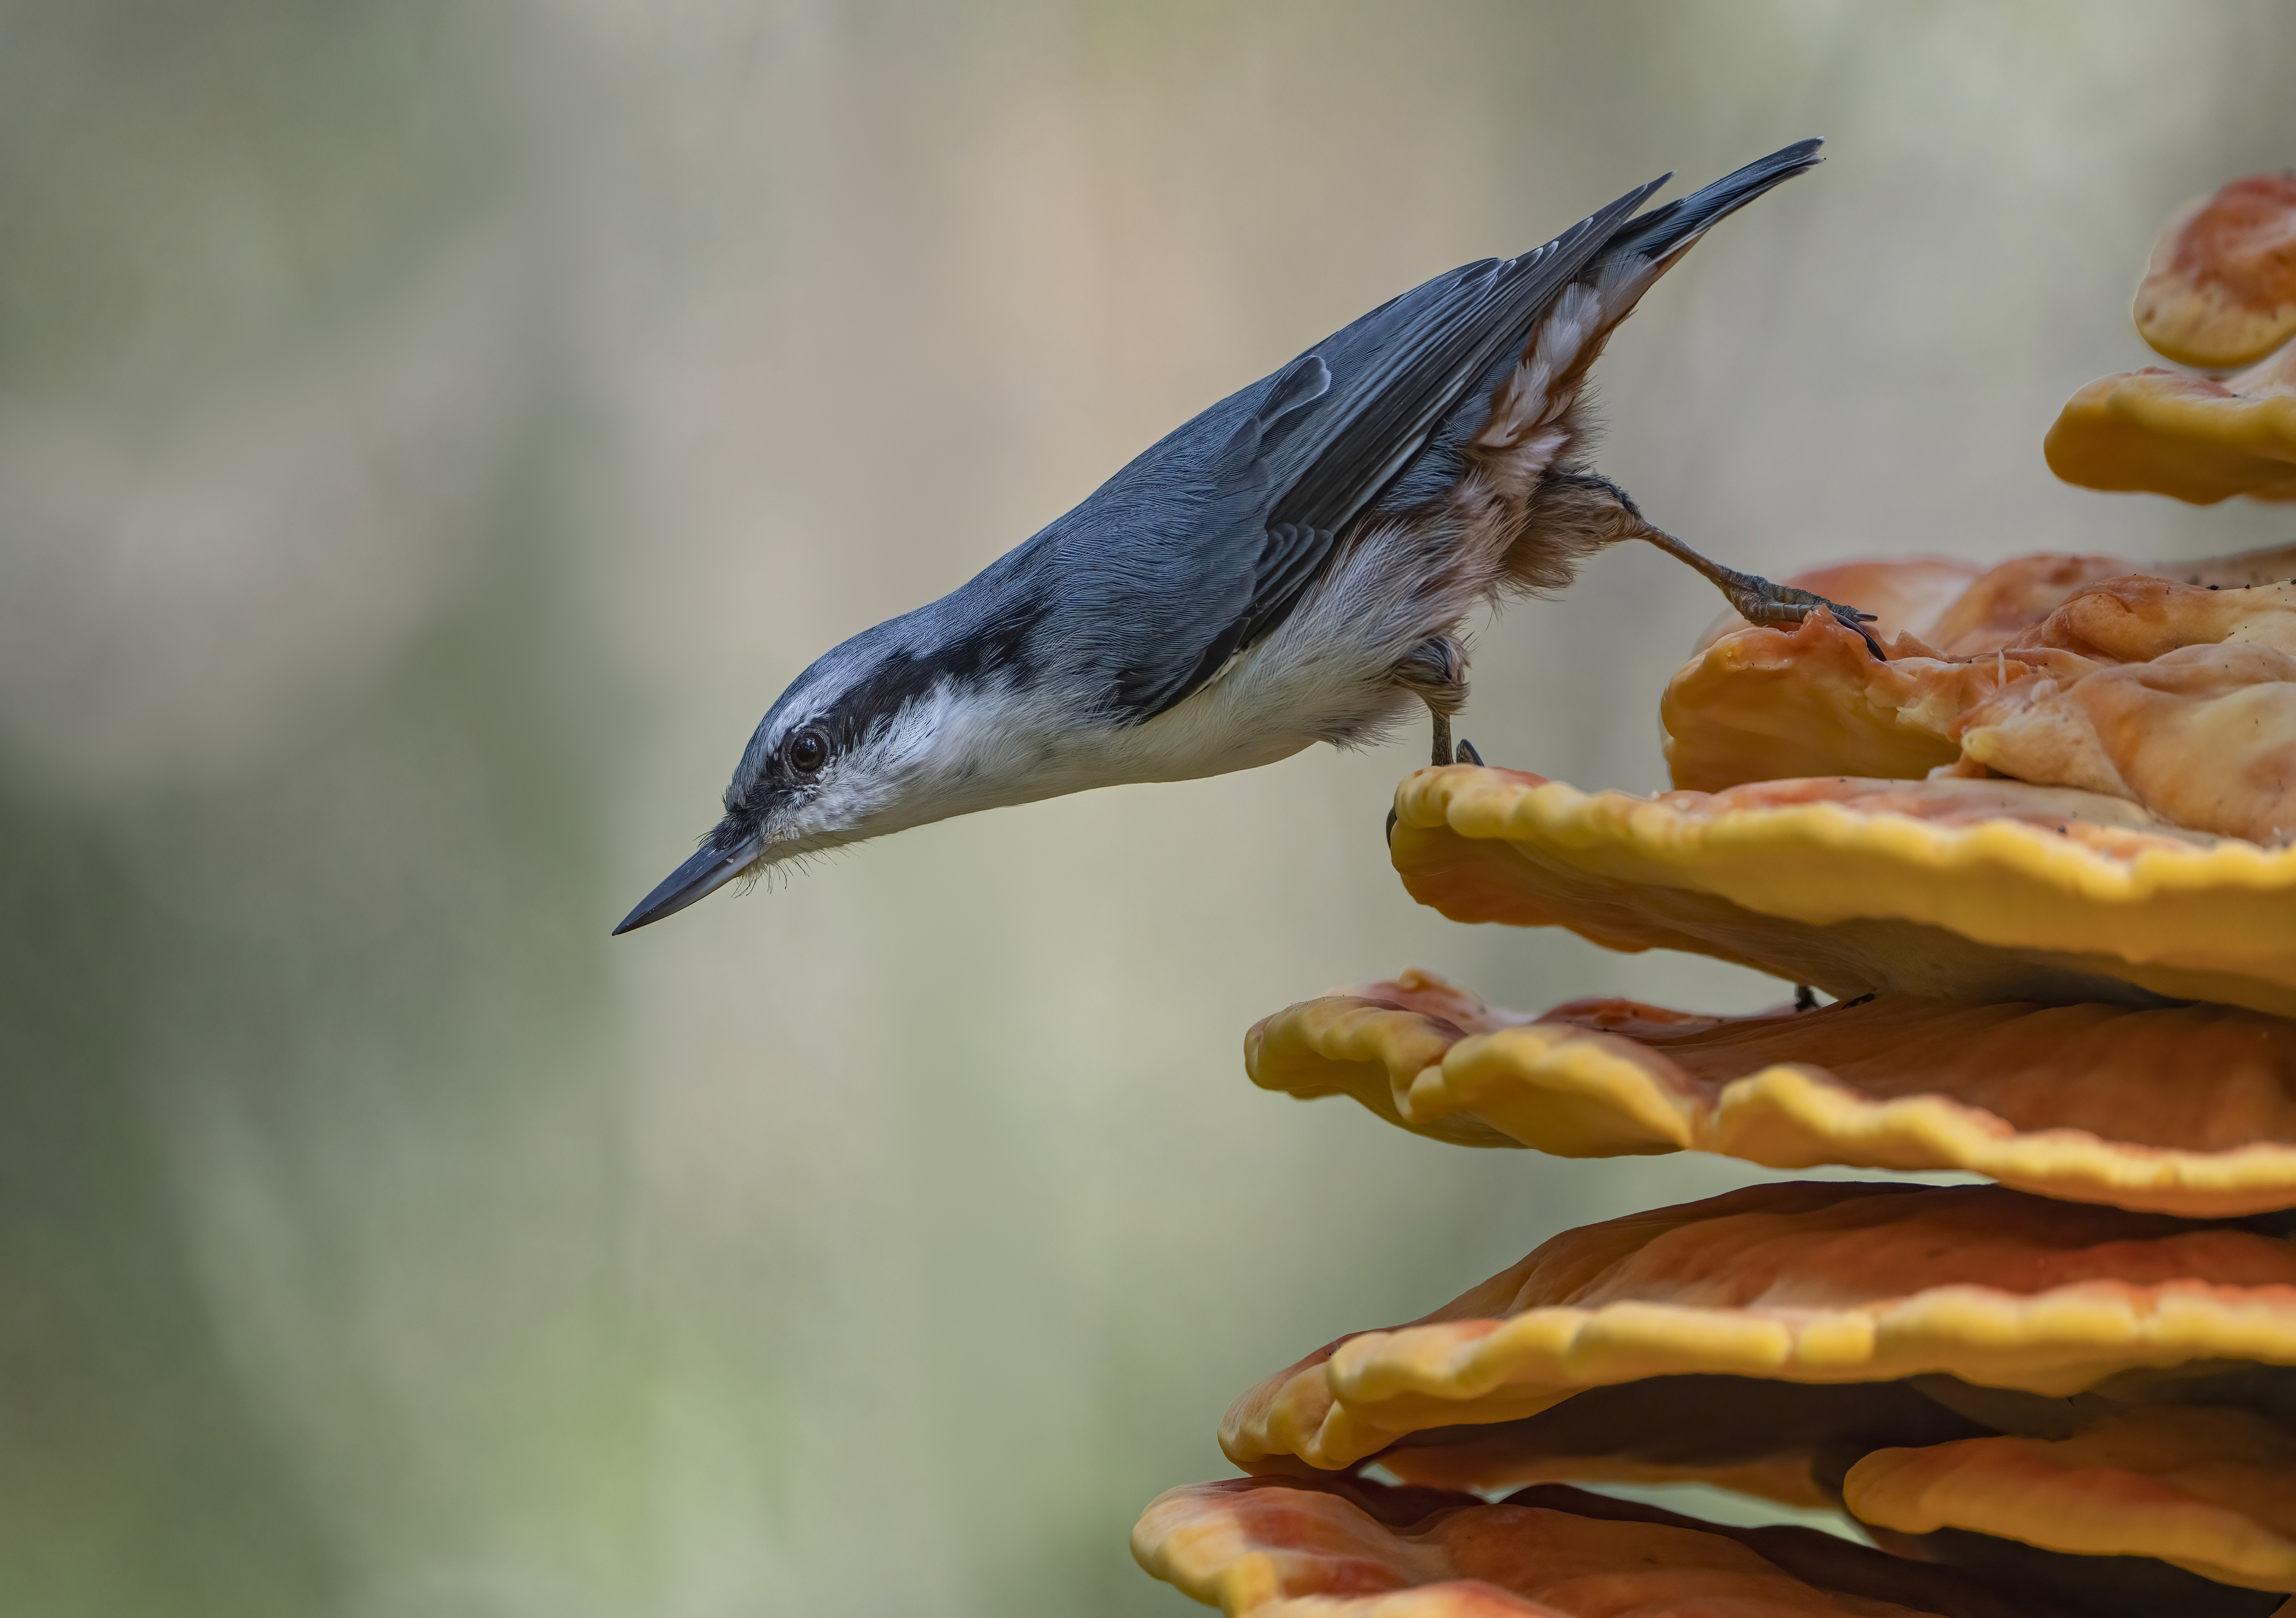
{"x": 1567, "y": 1089}
{"x": 2210, "y": 1490}
{"x": 2219, "y": 290}
{"x": 1270, "y": 1547}
{"x": 2144, "y": 916}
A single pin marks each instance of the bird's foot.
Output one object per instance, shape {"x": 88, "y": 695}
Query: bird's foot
{"x": 1466, "y": 755}
{"x": 1759, "y": 602}
{"x": 1754, "y": 598}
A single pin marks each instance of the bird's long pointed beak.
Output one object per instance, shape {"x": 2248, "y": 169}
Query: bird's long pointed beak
{"x": 704, "y": 874}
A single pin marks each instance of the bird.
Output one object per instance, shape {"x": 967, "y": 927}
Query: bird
{"x": 1294, "y": 564}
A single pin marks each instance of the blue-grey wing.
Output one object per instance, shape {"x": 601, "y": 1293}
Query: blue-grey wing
{"x": 1320, "y": 439}
{"x": 1304, "y": 455}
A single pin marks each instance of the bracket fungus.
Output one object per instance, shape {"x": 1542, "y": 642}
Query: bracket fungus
{"x": 2220, "y": 292}
{"x": 1267, "y": 1548}
{"x": 2208, "y": 1489}
{"x": 1954, "y": 889}
{"x": 1812, "y": 1282}
{"x": 2042, "y": 852}
{"x": 2185, "y": 1109}
{"x": 2175, "y": 694}
{"x": 2196, "y": 438}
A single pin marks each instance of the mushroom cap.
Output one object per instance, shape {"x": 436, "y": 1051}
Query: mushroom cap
{"x": 2210, "y": 1490}
{"x": 2194, "y": 438}
{"x": 1781, "y": 703}
{"x": 1960, "y": 889}
{"x": 1958, "y": 607}
{"x": 2175, "y": 697}
{"x": 2187, "y": 1110}
{"x": 1753, "y": 1436}
{"x": 1270, "y": 1547}
{"x": 2002, "y": 603}
{"x": 2204, "y": 737}
{"x": 1827, "y": 1282}
{"x": 2221, "y": 288}
{"x": 2178, "y": 699}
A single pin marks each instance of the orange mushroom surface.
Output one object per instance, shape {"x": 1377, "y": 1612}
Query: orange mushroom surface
{"x": 1266, "y": 1548}
{"x": 2221, "y": 288}
{"x": 1779, "y": 704}
{"x": 2209, "y": 1490}
{"x": 1750, "y": 1435}
{"x": 1954, "y": 889}
{"x": 2175, "y": 697}
{"x": 2187, "y": 1109}
{"x": 2178, "y": 699}
{"x": 1956, "y": 607}
{"x": 2194, "y": 438}
{"x": 1821, "y": 1283}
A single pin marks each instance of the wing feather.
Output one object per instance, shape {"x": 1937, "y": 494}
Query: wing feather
{"x": 1337, "y": 423}
{"x": 1334, "y": 428}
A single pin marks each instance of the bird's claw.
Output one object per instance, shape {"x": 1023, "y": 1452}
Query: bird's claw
{"x": 1781, "y": 606}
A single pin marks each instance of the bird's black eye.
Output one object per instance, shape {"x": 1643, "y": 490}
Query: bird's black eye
{"x": 807, "y": 750}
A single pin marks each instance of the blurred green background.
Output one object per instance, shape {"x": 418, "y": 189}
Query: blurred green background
{"x": 429, "y": 436}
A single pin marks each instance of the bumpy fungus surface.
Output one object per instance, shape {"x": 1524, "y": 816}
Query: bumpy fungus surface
{"x": 1776, "y": 705}
{"x": 2187, "y": 1110}
{"x": 1955, "y": 888}
{"x": 2195, "y": 437}
{"x": 1282, "y": 1548}
{"x": 2210, "y": 1490}
{"x": 2220, "y": 292}
{"x": 2177, "y": 697}
{"x": 2221, "y": 288}
{"x": 1807, "y": 1283}
{"x": 2180, "y": 699}
{"x": 1948, "y": 607}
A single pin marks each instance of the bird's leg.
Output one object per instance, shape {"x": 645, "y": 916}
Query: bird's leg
{"x": 1435, "y": 671}
{"x": 1576, "y": 513}
{"x": 1754, "y": 598}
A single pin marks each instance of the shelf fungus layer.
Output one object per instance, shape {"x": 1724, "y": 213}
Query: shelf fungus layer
{"x": 2207, "y": 1489}
{"x": 2196, "y": 438}
{"x": 2186, "y": 1109}
{"x": 2178, "y": 699}
{"x": 2221, "y": 288}
{"x": 1954, "y": 889}
{"x": 1983, "y": 1297}
{"x": 1268, "y": 1548}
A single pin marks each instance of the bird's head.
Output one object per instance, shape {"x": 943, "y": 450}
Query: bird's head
{"x": 893, "y": 729}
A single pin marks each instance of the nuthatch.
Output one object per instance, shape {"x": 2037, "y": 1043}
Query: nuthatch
{"x": 1290, "y": 567}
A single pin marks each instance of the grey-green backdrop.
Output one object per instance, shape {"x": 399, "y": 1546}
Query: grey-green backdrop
{"x": 430, "y": 433}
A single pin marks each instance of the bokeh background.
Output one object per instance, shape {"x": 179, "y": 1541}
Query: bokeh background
{"x": 431, "y": 433}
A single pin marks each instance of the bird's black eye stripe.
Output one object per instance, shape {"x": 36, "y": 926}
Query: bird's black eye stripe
{"x": 806, "y": 749}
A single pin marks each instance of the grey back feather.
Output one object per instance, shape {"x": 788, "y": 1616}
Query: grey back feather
{"x": 1205, "y": 541}
{"x": 1313, "y": 444}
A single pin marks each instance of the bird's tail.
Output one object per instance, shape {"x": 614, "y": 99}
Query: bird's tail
{"x": 1534, "y": 411}
{"x": 1666, "y": 231}
{"x": 1536, "y": 425}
